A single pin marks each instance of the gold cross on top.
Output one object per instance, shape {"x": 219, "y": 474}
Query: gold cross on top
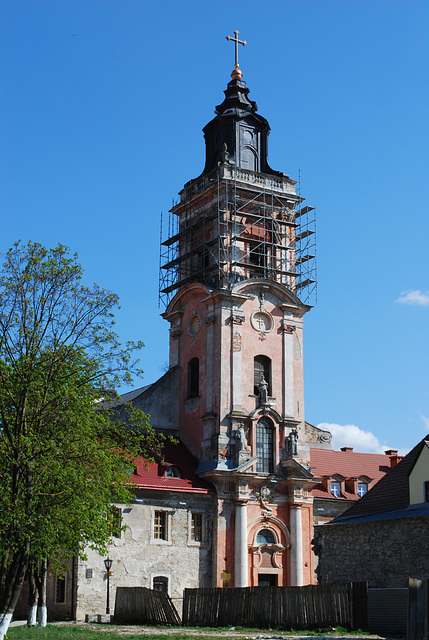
{"x": 237, "y": 42}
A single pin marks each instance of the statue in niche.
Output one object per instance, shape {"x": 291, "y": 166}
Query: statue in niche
{"x": 291, "y": 442}
{"x": 242, "y": 449}
{"x": 240, "y": 439}
{"x": 263, "y": 392}
{"x": 225, "y": 154}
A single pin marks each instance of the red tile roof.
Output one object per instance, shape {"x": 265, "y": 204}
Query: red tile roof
{"x": 391, "y": 493}
{"x": 348, "y": 464}
{"x": 152, "y": 476}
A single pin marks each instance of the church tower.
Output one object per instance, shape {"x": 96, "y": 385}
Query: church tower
{"x": 237, "y": 277}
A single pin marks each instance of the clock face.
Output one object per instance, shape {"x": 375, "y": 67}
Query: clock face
{"x": 262, "y": 321}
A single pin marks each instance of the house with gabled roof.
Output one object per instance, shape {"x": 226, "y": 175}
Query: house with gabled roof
{"x": 382, "y": 538}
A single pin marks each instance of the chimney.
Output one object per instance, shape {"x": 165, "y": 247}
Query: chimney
{"x": 394, "y": 458}
{"x": 346, "y": 449}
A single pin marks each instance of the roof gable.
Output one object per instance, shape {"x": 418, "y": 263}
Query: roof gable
{"x": 419, "y": 475}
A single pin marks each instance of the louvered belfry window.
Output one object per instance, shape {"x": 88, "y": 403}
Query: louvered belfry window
{"x": 264, "y": 446}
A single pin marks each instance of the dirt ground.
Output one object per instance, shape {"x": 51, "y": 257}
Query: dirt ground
{"x": 243, "y": 634}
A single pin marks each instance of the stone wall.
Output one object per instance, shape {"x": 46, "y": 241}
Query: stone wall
{"x": 325, "y": 510}
{"x": 386, "y": 553}
{"x": 138, "y": 557}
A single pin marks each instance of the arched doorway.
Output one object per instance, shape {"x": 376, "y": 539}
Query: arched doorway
{"x": 268, "y": 553}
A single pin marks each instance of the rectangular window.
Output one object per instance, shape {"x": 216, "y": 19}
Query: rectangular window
{"x": 335, "y": 489}
{"x": 116, "y": 522}
{"x": 160, "y": 583}
{"x": 60, "y": 590}
{"x": 197, "y": 527}
{"x": 362, "y": 488}
{"x": 426, "y": 491}
{"x": 160, "y": 525}
{"x": 264, "y": 446}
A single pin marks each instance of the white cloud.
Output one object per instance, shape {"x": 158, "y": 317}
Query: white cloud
{"x": 425, "y": 420}
{"x": 414, "y": 298}
{"x": 349, "y": 435}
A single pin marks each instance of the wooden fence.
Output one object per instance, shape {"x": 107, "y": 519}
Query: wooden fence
{"x": 418, "y": 609}
{"x": 279, "y": 607}
{"x": 138, "y": 605}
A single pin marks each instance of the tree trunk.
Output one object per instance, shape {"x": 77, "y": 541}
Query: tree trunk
{"x": 42, "y": 611}
{"x": 13, "y": 582}
{"x": 32, "y": 596}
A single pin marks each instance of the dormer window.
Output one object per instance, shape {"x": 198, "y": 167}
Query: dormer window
{"x": 335, "y": 488}
{"x": 362, "y": 488}
{"x": 173, "y": 472}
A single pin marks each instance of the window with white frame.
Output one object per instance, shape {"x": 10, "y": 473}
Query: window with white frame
{"x": 362, "y": 488}
{"x": 160, "y": 525}
{"x": 160, "y": 583}
{"x": 335, "y": 488}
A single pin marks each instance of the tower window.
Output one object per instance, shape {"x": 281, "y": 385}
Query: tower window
{"x": 264, "y": 446}
{"x": 258, "y": 254}
{"x": 261, "y": 369}
{"x": 193, "y": 378}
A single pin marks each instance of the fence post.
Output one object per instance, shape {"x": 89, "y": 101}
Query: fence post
{"x": 418, "y": 605}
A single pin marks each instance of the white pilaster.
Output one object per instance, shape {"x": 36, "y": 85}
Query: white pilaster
{"x": 210, "y": 320}
{"x": 236, "y": 321}
{"x": 240, "y": 568}
{"x": 296, "y": 562}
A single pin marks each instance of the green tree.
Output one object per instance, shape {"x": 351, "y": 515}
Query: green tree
{"x": 62, "y": 453}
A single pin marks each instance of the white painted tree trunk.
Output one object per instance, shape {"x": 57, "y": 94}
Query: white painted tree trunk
{"x": 5, "y": 619}
{"x": 32, "y": 615}
{"x": 42, "y": 614}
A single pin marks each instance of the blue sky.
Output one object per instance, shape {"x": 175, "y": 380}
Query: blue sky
{"x": 103, "y": 102}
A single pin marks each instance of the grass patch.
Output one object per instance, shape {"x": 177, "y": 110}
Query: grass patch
{"x": 95, "y": 632}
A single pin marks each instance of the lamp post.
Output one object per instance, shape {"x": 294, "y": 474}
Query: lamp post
{"x": 108, "y": 564}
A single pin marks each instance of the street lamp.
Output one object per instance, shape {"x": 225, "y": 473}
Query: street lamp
{"x": 108, "y": 564}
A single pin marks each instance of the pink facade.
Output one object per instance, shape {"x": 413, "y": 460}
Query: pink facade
{"x": 234, "y": 281}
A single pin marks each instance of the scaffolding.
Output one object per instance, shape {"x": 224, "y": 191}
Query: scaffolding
{"x": 233, "y": 224}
